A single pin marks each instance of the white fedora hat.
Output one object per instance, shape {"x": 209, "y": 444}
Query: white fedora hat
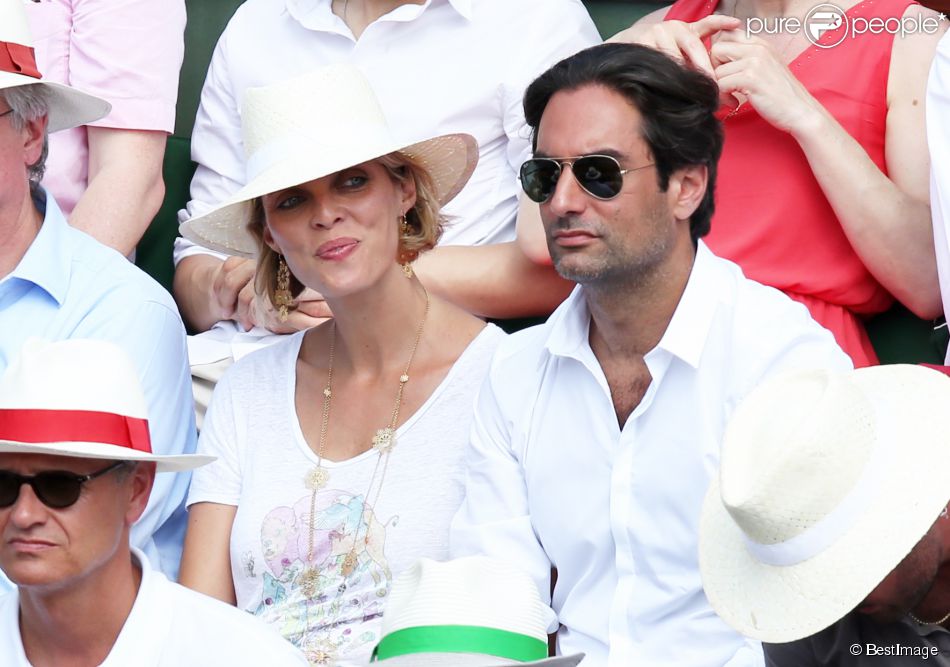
{"x": 79, "y": 398}
{"x": 469, "y": 612}
{"x": 68, "y": 107}
{"x": 308, "y": 127}
{"x": 827, "y": 481}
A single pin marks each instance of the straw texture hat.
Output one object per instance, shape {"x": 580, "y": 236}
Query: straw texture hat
{"x": 311, "y": 126}
{"x": 79, "y": 398}
{"x": 68, "y": 107}
{"x": 827, "y": 481}
{"x": 469, "y": 612}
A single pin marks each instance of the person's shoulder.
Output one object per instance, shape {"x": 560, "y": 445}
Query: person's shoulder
{"x": 275, "y": 359}
{"x": 230, "y": 633}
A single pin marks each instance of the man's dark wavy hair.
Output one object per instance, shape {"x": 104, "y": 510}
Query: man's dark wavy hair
{"x": 677, "y": 104}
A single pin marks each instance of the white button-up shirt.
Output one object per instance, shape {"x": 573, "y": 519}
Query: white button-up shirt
{"x": 440, "y": 67}
{"x": 553, "y": 480}
{"x": 938, "y": 138}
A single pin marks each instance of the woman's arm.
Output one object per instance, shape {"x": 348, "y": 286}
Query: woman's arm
{"x": 206, "y": 559}
{"x": 885, "y": 217}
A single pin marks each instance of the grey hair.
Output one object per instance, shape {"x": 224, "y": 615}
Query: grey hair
{"x": 28, "y": 103}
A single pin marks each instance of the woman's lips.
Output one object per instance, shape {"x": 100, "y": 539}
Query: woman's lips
{"x": 337, "y": 249}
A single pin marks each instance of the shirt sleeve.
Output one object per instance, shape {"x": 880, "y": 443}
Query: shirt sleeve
{"x": 494, "y": 519}
{"x": 129, "y": 52}
{"x": 938, "y": 136}
{"x": 155, "y": 339}
{"x": 216, "y": 143}
{"x": 560, "y": 29}
{"x": 219, "y": 481}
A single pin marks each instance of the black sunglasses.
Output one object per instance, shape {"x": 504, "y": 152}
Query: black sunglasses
{"x": 601, "y": 176}
{"x": 54, "y": 488}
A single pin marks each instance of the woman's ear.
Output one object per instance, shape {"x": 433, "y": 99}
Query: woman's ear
{"x": 407, "y": 192}
{"x": 269, "y": 240}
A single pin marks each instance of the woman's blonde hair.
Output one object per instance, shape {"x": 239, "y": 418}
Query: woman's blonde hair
{"x": 421, "y": 231}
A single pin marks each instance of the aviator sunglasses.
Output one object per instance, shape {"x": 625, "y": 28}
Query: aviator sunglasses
{"x": 600, "y": 176}
{"x": 56, "y": 488}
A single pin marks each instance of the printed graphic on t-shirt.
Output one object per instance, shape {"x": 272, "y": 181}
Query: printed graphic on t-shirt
{"x": 321, "y": 587}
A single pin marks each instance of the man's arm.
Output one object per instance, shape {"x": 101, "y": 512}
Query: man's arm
{"x": 125, "y": 187}
{"x": 495, "y": 517}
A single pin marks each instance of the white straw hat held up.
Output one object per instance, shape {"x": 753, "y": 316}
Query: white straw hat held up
{"x": 311, "y": 126}
{"x": 68, "y": 107}
{"x": 469, "y": 612}
{"x": 827, "y": 481}
{"x": 79, "y": 398}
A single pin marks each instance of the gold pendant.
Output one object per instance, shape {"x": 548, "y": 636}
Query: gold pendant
{"x": 384, "y": 440}
{"x": 316, "y": 479}
{"x": 308, "y": 582}
{"x": 349, "y": 563}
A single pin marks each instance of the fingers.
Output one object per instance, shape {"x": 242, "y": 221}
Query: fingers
{"x": 318, "y": 309}
{"x": 229, "y": 280}
{"x": 710, "y": 25}
{"x": 245, "y": 309}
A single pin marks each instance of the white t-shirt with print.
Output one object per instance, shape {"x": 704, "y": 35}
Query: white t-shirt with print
{"x": 263, "y": 462}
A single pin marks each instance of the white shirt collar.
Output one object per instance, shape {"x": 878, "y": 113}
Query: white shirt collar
{"x": 684, "y": 338}
{"x": 317, "y": 15}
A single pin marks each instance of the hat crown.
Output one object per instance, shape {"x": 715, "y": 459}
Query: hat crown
{"x": 14, "y": 26}
{"x": 332, "y": 107}
{"x": 783, "y": 471}
{"x": 86, "y": 375}
{"x": 471, "y": 591}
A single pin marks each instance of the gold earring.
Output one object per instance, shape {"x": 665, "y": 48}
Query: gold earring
{"x": 405, "y": 229}
{"x": 282, "y": 296}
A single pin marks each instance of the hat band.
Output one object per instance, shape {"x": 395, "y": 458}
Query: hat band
{"x": 49, "y": 426}
{"x": 18, "y": 59}
{"x": 831, "y": 527}
{"x": 461, "y": 639}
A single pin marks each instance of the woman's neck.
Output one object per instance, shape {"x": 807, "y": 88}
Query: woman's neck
{"x": 376, "y": 328}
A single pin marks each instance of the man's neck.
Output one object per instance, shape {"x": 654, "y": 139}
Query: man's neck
{"x": 629, "y": 320}
{"x": 79, "y": 623}
{"x": 19, "y": 225}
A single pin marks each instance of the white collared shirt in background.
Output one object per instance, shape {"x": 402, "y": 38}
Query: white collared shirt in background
{"x": 554, "y": 481}
{"x": 171, "y": 626}
{"x": 938, "y": 139}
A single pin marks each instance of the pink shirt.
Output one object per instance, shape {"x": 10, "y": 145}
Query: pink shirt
{"x": 128, "y": 52}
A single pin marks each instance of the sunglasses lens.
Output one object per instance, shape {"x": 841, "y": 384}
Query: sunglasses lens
{"x": 56, "y": 489}
{"x": 9, "y": 488}
{"x": 539, "y": 178}
{"x": 600, "y": 175}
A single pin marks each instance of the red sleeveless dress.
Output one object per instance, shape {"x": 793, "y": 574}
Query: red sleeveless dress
{"x": 772, "y": 218}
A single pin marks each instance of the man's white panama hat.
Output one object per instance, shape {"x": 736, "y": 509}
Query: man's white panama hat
{"x": 79, "y": 398}
{"x": 308, "y": 127}
{"x": 827, "y": 481}
{"x": 68, "y": 107}
{"x": 469, "y": 612}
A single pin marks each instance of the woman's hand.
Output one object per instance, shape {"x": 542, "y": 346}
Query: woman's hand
{"x": 680, "y": 40}
{"x": 747, "y": 68}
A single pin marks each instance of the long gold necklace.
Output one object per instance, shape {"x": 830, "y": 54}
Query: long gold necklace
{"x": 383, "y": 442}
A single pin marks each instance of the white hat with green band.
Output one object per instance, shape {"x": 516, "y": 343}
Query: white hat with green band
{"x": 469, "y": 612}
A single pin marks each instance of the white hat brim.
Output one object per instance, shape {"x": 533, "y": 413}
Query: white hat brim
{"x": 473, "y": 660}
{"x": 98, "y": 450}
{"x": 68, "y": 107}
{"x": 450, "y": 159}
{"x": 782, "y": 604}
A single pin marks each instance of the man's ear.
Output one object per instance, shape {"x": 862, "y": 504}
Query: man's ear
{"x": 687, "y": 189}
{"x": 141, "y": 478}
{"x": 34, "y": 136}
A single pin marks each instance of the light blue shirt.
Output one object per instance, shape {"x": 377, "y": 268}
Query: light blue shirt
{"x": 69, "y": 285}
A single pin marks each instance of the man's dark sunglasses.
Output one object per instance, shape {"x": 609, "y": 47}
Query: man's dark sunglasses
{"x": 601, "y": 176}
{"x": 55, "y": 488}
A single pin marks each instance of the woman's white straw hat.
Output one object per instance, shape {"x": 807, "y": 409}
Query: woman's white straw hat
{"x": 469, "y": 612}
{"x": 68, "y": 107}
{"x": 311, "y": 126}
{"x": 79, "y": 398}
{"x": 827, "y": 481}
